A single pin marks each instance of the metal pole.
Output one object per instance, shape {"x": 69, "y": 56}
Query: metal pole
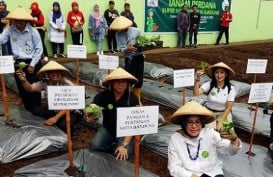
{"x": 258, "y": 16}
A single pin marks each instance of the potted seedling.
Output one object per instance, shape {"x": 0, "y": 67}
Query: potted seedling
{"x": 93, "y": 110}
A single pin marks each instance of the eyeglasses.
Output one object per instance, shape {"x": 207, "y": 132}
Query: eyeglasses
{"x": 197, "y": 123}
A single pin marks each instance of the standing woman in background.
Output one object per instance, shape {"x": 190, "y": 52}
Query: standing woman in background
{"x": 97, "y": 27}
{"x": 38, "y": 23}
{"x": 57, "y": 30}
{"x": 6, "y": 48}
{"x": 75, "y": 19}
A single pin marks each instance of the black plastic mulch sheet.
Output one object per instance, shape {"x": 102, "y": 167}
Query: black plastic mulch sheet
{"x": 243, "y": 118}
{"x": 153, "y": 70}
{"x": 31, "y": 139}
{"x": 91, "y": 73}
{"x": 239, "y": 165}
{"x": 95, "y": 164}
{"x": 166, "y": 95}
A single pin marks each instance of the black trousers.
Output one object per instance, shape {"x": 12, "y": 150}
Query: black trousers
{"x": 42, "y": 35}
{"x": 193, "y": 32}
{"x": 77, "y": 38}
{"x": 135, "y": 66}
{"x": 43, "y": 111}
{"x": 271, "y": 128}
{"x": 30, "y": 99}
{"x": 204, "y": 175}
{"x": 223, "y": 30}
{"x": 111, "y": 40}
{"x": 55, "y": 46}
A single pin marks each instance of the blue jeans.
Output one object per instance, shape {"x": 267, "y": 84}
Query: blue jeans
{"x": 104, "y": 141}
{"x": 99, "y": 45}
{"x": 182, "y": 37}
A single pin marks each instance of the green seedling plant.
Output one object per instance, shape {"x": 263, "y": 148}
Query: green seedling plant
{"x": 94, "y": 110}
{"x": 21, "y": 65}
{"x": 228, "y": 127}
{"x": 203, "y": 65}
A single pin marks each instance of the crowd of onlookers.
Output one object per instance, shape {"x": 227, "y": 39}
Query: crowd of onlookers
{"x": 98, "y": 26}
{"x": 189, "y": 23}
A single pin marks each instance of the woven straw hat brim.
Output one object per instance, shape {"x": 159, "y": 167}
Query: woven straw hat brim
{"x": 19, "y": 14}
{"x": 118, "y": 74}
{"x": 193, "y": 108}
{"x": 220, "y": 65}
{"x": 121, "y": 23}
{"x": 52, "y": 66}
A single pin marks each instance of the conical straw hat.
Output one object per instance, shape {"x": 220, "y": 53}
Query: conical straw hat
{"x": 220, "y": 65}
{"x": 117, "y": 74}
{"x": 121, "y": 23}
{"x": 192, "y": 108}
{"x": 52, "y": 66}
{"x": 19, "y": 14}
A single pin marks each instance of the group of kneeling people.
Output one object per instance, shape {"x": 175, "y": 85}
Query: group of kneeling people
{"x": 192, "y": 150}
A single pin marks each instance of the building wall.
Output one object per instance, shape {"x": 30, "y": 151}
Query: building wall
{"x": 243, "y": 28}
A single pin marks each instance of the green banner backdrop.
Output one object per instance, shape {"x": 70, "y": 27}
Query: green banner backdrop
{"x": 160, "y": 15}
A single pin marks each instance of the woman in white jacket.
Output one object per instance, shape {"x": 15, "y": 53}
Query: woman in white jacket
{"x": 192, "y": 151}
{"x": 57, "y": 30}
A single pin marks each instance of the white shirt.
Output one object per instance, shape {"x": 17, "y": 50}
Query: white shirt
{"x": 179, "y": 162}
{"x": 217, "y": 98}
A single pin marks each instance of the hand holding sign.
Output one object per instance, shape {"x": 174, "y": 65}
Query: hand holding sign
{"x": 183, "y": 78}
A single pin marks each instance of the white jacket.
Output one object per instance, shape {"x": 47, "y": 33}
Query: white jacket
{"x": 179, "y": 162}
{"x": 54, "y": 35}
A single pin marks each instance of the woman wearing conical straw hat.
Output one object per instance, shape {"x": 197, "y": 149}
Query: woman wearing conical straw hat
{"x": 26, "y": 47}
{"x": 192, "y": 151}
{"x": 117, "y": 95}
{"x": 54, "y": 74}
{"x": 221, "y": 94}
{"x": 134, "y": 58}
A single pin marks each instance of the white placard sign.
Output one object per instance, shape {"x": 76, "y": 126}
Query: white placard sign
{"x": 108, "y": 62}
{"x": 256, "y": 66}
{"x": 66, "y": 97}
{"x": 76, "y": 51}
{"x": 260, "y": 92}
{"x": 6, "y": 64}
{"x": 183, "y": 78}
{"x": 137, "y": 120}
